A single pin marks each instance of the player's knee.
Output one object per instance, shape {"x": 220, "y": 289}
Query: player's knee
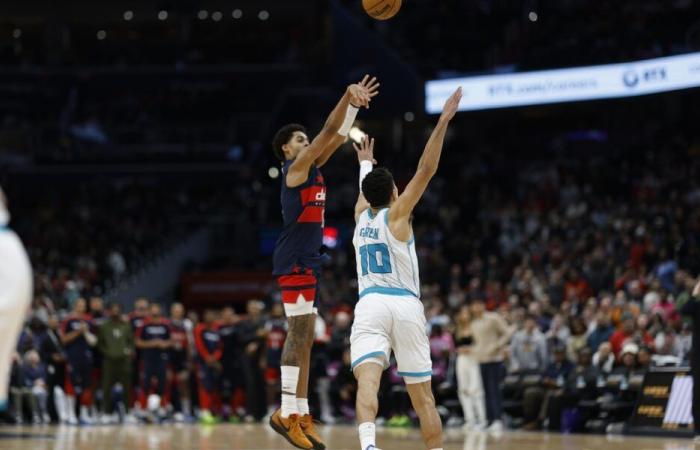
{"x": 368, "y": 384}
{"x": 423, "y": 401}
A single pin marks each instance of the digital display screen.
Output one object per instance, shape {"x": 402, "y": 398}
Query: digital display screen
{"x": 567, "y": 85}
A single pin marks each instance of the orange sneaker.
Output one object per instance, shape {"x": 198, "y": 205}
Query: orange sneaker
{"x": 309, "y": 429}
{"x": 290, "y": 429}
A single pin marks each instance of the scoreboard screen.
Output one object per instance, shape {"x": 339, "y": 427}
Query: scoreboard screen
{"x": 665, "y": 402}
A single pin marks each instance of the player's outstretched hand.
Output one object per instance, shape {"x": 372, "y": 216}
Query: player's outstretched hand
{"x": 365, "y": 151}
{"x": 451, "y": 105}
{"x": 363, "y": 92}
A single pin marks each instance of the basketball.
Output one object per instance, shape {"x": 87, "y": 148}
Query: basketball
{"x": 381, "y": 9}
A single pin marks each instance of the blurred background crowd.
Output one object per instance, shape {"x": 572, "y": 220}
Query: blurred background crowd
{"x": 134, "y": 152}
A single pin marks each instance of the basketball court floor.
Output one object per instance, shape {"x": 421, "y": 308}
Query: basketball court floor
{"x": 260, "y": 437}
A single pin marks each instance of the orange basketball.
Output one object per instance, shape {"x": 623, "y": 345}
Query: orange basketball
{"x": 381, "y": 9}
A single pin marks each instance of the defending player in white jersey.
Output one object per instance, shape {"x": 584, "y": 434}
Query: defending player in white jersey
{"x": 15, "y": 295}
{"x": 389, "y": 315}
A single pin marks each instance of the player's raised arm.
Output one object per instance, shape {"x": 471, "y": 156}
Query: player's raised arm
{"x": 334, "y": 131}
{"x": 365, "y": 156}
{"x": 427, "y": 166}
{"x": 371, "y": 86}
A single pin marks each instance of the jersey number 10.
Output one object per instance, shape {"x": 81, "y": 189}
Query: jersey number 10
{"x": 374, "y": 258}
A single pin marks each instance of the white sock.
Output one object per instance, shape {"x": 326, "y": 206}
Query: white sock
{"x": 303, "y": 406}
{"x": 290, "y": 379}
{"x": 289, "y": 406}
{"x": 367, "y": 432}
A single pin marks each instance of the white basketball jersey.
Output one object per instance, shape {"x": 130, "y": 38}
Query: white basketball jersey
{"x": 385, "y": 265}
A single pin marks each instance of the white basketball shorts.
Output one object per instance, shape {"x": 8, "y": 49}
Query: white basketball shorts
{"x": 392, "y": 322}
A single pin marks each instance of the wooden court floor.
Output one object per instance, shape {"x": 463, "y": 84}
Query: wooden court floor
{"x": 260, "y": 437}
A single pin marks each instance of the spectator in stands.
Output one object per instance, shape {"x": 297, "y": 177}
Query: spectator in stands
{"x": 576, "y": 287}
{"x": 97, "y": 317}
{"x": 558, "y": 333}
{"x": 604, "y": 358}
{"x": 276, "y": 333}
{"x": 491, "y": 337}
{"x": 19, "y": 393}
{"x": 619, "y": 337}
{"x": 343, "y": 389}
{"x": 536, "y": 398}
{"x": 441, "y": 347}
{"x": 139, "y": 314}
{"x": 96, "y": 311}
{"x": 35, "y": 384}
{"x": 528, "y": 349}
{"x": 53, "y": 355}
{"x": 578, "y": 339}
{"x": 208, "y": 366}
{"x": 154, "y": 340}
{"x": 602, "y": 332}
{"x": 77, "y": 339}
{"x": 232, "y": 376}
{"x": 470, "y": 388}
{"x": 577, "y": 383}
{"x": 644, "y": 358}
{"x": 115, "y": 340}
{"x": 179, "y": 361}
{"x": 252, "y": 330}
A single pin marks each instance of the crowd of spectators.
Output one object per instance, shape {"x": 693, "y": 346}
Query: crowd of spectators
{"x": 577, "y": 255}
{"x": 585, "y": 268}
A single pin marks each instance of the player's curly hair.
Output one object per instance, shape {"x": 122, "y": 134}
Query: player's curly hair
{"x": 283, "y": 136}
{"x": 377, "y": 187}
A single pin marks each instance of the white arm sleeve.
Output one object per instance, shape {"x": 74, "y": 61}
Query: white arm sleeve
{"x": 365, "y": 168}
{"x": 350, "y": 115}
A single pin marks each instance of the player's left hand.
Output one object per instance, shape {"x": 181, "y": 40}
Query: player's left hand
{"x": 363, "y": 92}
{"x": 451, "y": 106}
{"x": 365, "y": 151}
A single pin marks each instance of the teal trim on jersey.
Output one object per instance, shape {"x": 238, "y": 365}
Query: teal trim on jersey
{"x": 4, "y": 228}
{"x": 387, "y": 291}
{"x": 386, "y": 217}
{"x": 415, "y": 374}
{"x": 369, "y": 213}
{"x": 413, "y": 270}
{"x": 3, "y": 405}
{"x": 368, "y": 355}
{"x": 412, "y": 240}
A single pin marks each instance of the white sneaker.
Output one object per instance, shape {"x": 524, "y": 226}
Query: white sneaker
{"x": 454, "y": 421}
{"x": 328, "y": 419}
{"x": 179, "y": 417}
{"x": 495, "y": 427}
{"x": 131, "y": 419}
